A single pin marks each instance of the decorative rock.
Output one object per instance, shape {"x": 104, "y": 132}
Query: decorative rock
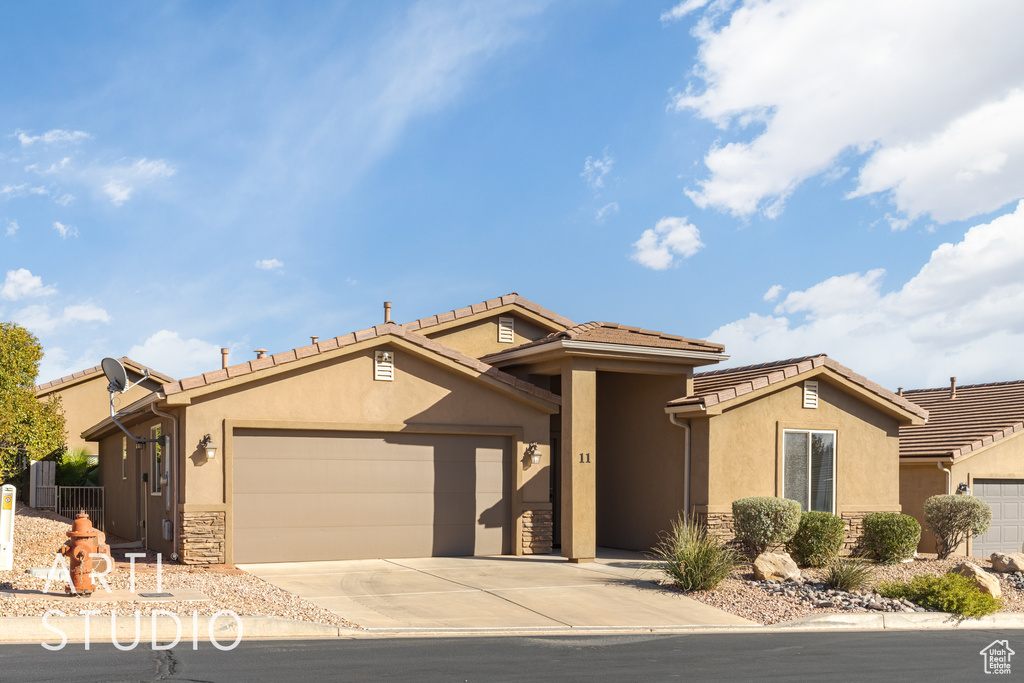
{"x": 1008, "y": 562}
{"x": 985, "y": 582}
{"x": 776, "y": 566}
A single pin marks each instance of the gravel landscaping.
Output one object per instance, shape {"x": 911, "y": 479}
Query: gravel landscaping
{"x": 771, "y": 603}
{"x": 39, "y": 534}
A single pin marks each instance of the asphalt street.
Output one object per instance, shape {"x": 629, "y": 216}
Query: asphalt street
{"x": 804, "y": 656}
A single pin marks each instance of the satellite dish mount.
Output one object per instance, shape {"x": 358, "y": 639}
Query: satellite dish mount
{"x": 117, "y": 378}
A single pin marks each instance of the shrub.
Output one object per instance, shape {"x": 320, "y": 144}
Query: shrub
{"x": 891, "y": 537}
{"x": 75, "y": 468}
{"x": 951, "y": 593}
{"x": 848, "y": 574}
{"x": 954, "y": 519}
{"x": 691, "y": 558}
{"x": 763, "y": 522}
{"x": 817, "y": 540}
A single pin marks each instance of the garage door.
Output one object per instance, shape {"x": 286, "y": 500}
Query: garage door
{"x": 308, "y": 495}
{"x": 1006, "y": 496}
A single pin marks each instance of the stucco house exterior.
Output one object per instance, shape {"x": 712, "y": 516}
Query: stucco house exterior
{"x": 499, "y": 428}
{"x": 85, "y": 399}
{"x": 972, "y": 437}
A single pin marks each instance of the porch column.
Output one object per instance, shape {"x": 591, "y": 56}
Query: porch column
{"x": 579, "y": 436}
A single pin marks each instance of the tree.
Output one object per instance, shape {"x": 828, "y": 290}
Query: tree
{"x": 37, "y": 426}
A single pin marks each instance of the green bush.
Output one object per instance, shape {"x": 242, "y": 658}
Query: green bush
{"x": 954, "y": 519}
{"x": 75, "y": 468}
{"x": 817, "y": 540}
{"x": 848, "y": 574}
{"x": 692, "y": 559}
{"x": 891, "y": 537}
{"x": 763, "y": 522}
{"x": 951, "y": 593}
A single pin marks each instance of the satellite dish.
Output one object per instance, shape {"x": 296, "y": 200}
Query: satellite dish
{"x": 115, "y": 374}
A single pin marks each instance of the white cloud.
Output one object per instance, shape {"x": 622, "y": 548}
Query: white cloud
{"x": 12, "y": 227}
{"x": 65, "y": 231}
{"x": 930, "y": 99}
{"x": 682, "y": 9}
{"x": 124, "y": 180}
{"x": 13, "y": 190}
{"x": 39, "y": 319}
{"x": 671, "y": 237}
{"x": 609, "y": 208}
{"x": 773, "y": 293}
{"x": 178, "y": 357}
{"x": 962, "y": 314}
{"x": 52, "y": 137}
{"x": 594, "y": 170}
{"x": 118, "y": 192}
{"x": 22, "y": 284}
{"x": 269, "y": 264}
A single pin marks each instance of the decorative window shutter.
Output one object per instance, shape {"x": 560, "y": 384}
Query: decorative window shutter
{"x": 384, "y": 366}
{"x": 810, "y": 393}
{"x": 506, "y": 330}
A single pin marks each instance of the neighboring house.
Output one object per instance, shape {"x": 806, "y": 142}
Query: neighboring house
{"x": 85, "y": 398}
{"x": 808, "y": 429}
{"x": 971, "y": 438}
{"x": 418, "y": 439}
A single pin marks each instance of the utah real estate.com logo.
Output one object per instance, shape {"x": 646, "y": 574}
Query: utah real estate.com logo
{"x": 997, "y": 657}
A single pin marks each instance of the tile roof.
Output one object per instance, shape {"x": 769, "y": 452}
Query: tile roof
{"x": 82, "y": 374}
{"x": 490, "y": 304}
{"x": 613, "y": 333}
{"x": 718, "y": 386}
{"x": 979, "y": 415}
{"x": 278, "y": 359}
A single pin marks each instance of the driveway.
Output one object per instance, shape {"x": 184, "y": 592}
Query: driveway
{"x": 532, "y": 592}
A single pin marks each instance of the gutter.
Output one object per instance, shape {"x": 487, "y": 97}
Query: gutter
{"x": 606, "y": 347}
{"x": 686, "y": 463}
{"x": 172, "y": 466}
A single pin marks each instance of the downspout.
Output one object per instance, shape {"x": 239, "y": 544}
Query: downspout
{"x": 172, "y": 500}
{"x": 948, "y": 475}
{"x": 686, "y": 463}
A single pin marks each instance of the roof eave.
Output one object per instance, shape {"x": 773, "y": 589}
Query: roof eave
{"x": 576, "y": 347}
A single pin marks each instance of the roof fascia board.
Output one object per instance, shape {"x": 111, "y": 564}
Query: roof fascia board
{"x": 886, "y": 406}
{"x": 517, "y": 309}
{"x": 925, "y": 459}
{"x": 694, "y": 410}
{"x": 575, "y": 347}
{"x": 102, "y": 428}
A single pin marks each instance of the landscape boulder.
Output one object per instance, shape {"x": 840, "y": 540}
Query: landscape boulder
{"x": 776, "y": 567}
{"x": 1007, "y": 562}
{"x": 985, "y": 582}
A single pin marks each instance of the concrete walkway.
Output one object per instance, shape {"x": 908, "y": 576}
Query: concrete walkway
{"x": 505, "y": 592}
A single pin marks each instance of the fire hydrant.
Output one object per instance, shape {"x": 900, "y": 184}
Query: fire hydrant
{"x": 82, "y": 540}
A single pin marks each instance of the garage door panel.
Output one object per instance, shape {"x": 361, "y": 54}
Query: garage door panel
{"x": 317, "y": 495}
{"x": 1006, "y": 532}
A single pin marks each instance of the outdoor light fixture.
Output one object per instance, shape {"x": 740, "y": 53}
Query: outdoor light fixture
{"x": 210, "y": 447}
{"x": 963, "y": 489}
{"x": 533, "y": 453}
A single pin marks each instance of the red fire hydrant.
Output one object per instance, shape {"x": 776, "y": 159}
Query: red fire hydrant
{"x": 83, "y": 539}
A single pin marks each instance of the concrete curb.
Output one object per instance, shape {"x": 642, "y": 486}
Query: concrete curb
{"x": 904, "y": 620}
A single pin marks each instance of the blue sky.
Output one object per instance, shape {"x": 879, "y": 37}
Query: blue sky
{"x": 786, "y": 178}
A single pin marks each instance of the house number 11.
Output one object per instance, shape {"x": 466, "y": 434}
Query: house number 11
{"x": 585, "y": 462}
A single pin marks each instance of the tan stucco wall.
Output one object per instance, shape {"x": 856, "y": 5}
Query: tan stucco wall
{"x": 88, "y": 402}
{"x": 640, "y": 473}
{"x": 341, "y": 394}
{"x": 744, "y": 456}
{"x": 1004, "y": 459}
{"x": 480, "y": 337}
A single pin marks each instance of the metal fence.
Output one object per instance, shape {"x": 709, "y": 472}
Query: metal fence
{"x": 74, "y": 499}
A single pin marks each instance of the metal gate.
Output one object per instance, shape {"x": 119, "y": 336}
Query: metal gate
{"x": 88, "y": 499}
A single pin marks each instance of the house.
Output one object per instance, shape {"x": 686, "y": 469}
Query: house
{"x": 85, "y": 399}
{"x": 971, "y": 439}
{"x": 499, "y": 428}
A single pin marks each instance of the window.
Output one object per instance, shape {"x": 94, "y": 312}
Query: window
{"x": 124, "y": 457}
{"x": 156, "y": 460}
{"x": 809, "y": 463}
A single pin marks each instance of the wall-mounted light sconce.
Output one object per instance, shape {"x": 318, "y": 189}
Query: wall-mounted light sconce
{"x": 963, "y": 489}
{"x": 533, "y": 453}
{"x": 209, "y": 446}
{"x": 139, "y": 445}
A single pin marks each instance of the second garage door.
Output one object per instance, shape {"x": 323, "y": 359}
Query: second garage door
{"x": 1006, "y": 533}
{"x": 309, "y": 495}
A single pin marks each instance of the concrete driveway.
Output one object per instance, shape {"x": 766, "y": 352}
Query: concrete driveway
{"x": 493, "y": 592}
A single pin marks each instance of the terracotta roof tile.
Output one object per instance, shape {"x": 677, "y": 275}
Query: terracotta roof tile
{"x": 978, "y": 416}
{"x": 718, "y": 386}
{"x": 215, "y": 376}
{"x": 490, "y": 304}
{"x": 128, "y": 363}
{"x": 613, "y": 333}
{"x": 192, "y": 382}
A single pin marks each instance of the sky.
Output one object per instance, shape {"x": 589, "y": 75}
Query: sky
{"x": 783, "y": 177}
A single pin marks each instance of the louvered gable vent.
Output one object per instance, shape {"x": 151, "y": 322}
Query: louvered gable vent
{"x": 506, "y": 330}
{"x": 810, "y": 393}
{"x": 384, "y": 366}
